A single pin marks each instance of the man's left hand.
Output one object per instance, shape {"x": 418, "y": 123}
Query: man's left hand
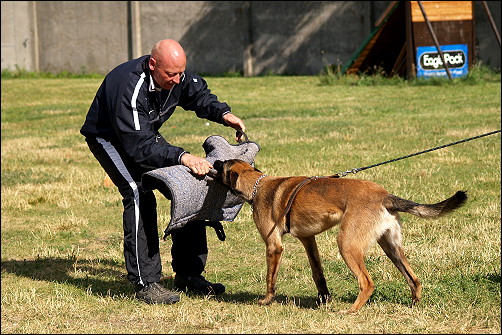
{"x": 235, "y": 122}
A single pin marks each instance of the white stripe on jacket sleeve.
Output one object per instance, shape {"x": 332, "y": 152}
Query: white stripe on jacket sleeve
{"x": 134, "y": 99}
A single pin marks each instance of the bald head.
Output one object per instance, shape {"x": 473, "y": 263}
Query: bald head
{"x": 167, "y": 63}
{"x": 168, "y": 51}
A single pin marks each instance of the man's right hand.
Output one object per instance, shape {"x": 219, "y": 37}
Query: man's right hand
{"x": 198, "y": 165}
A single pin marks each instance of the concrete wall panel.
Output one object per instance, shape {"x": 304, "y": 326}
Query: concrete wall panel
{"x": 324, "y": 33}
{"x": 82, "y": 36}
{"x": 211, "y": 32}
{"x": 18, "y": 42}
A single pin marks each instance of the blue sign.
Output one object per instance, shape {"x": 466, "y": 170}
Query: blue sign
{"x": 429, "y": 63}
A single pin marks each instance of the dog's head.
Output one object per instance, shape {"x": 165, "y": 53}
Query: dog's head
{"x": 233, "y": 174}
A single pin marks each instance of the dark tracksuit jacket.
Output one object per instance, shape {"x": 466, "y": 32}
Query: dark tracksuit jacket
{"x": 121, "y": 130}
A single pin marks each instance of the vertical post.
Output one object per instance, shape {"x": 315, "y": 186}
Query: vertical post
{"x": 129, "y": 31}
{"x": 410, "y": 52}
{"x": 137, "y": 29}
{"x": 248, "y": 60}
{"x": 434, "y": 38}
{"x": 36, "y": 51}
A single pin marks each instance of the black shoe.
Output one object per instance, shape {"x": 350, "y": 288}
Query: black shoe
{"x": 197, "y": 284}
{"x": 154, "y": 293}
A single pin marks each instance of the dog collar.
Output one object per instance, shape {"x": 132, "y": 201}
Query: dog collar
{"x": 255, "y": 188}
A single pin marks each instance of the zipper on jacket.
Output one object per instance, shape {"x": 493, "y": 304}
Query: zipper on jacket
{"x": 167, "y": 99}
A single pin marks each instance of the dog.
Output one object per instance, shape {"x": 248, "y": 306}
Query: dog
{"x": 305, "y": 207}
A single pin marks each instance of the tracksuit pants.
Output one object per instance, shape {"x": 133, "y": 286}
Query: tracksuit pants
{"x": 141, "y": 236}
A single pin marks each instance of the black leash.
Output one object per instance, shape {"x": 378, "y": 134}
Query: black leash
{"x": 343, "y": 174}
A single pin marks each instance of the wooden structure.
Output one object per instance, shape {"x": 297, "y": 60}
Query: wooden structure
{"x": 405, "y": 27}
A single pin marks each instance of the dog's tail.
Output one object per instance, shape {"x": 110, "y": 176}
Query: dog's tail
{"x": 394, "y": 203}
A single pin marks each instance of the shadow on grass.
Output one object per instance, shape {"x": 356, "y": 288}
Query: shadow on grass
{"x": 248, "y": 298}
{"x": 252, "y": 299}
{"x": 100, "y": 276}
{"x": 106, "y": 277}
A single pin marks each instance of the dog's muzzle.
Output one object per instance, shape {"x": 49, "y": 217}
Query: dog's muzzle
{"x": 217, "y": 170}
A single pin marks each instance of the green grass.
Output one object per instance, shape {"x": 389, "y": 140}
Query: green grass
{"x": 62, "y": 264}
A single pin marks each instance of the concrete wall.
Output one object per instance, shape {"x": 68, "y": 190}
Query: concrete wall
{"x": 80, "y": 36}
{"x": 259, "y": 37}
{"x": 253, "y": 37}
{"x": 18, "y": 44}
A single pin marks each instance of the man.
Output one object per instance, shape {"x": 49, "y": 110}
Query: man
{"x": 121, "y": 130}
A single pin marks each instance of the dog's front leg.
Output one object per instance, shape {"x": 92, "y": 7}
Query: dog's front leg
{"x": 274, "y": 253}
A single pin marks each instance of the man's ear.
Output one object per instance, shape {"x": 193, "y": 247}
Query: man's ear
{"x": 151, "y": 63}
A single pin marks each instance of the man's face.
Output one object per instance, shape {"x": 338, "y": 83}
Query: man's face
{"x": 167, "y": 72}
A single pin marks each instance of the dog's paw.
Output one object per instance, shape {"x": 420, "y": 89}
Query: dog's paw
{"x": 348, "y": 311}
{"x": 323, "y": 298}
{"x": 265, "y": 301}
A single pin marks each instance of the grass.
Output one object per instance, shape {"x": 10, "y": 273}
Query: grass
{"x": 62, "y": 264}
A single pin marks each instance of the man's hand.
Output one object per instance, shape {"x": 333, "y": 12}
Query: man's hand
{"x": 199, "y": 166}
{"x": 233, "y": 121}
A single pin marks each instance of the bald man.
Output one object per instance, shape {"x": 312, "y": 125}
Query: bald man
{"x": 122, "y": 132}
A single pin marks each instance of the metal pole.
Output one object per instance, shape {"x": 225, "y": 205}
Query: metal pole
{"x": 36, "y": 38}
{"x": 494, "y": 27}
{"x": 129, "y": 30}
{"x": 434, "y": 38}
{"x": 137, "y": 39}
{"x": 248, "y": 55}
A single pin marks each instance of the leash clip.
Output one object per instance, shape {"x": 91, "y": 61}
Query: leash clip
{"x": 343, "y": 174}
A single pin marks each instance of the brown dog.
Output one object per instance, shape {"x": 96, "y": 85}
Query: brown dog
{"x": 306, "y": 207}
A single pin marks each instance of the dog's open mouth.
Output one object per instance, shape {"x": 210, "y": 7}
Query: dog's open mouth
{"x": 213, "y": 173}
{"x": 216, "y": 171}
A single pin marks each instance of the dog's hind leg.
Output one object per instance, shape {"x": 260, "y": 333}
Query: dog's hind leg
{"x": 352, "y": 249}
{"x": 274, "y": 253}
{"x": 390, "y": 242}
{"x": 310, "y": 245}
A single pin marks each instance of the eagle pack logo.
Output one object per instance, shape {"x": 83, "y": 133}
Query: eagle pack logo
{"x": 430, "y": 64}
